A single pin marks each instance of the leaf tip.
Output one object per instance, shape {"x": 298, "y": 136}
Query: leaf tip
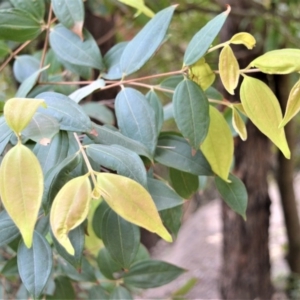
{"x": 228, "y": 9}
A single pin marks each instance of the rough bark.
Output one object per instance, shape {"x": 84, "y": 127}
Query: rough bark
{"x": 246, "y": 263}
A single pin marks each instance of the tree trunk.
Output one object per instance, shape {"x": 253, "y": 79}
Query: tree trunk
{"x": 246, "y": 263}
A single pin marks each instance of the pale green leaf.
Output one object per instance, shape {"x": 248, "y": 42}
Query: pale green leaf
{"x": 140, "y": 6}
{"x": 99, "y": 112}
{"x": 229, "y": 69}
{"x": 132, "y": 202}
{"x": 218, "y": 145}
{"x": 238, "y": 124}
{"x": 263, "y": 109}
{"x": 87, "y": 90}
{"x": 244, "y": 38}
{"x": 34, "y": 7}
{"x": 69, "y": 209}
{"x": 24, "y": 66}
{"x": 21, "y": 189}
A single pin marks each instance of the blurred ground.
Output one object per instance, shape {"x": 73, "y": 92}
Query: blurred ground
{"x": 198, "y": 249}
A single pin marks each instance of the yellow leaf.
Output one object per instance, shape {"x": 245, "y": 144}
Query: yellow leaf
{"x": 293, "y": 104}
{"x": 240, "y": 108}
{"x": 18, "y": 112}
{"x": 244, "y": 38}
{"x": 282, "y": 61}
{"x": 70, "y": 208}
{"x": 218, "y": 145}
{"x": 264, "y": 111}
{"x": 229, "y": 69}
{"x": 238, "y": 124}
{"x": 140, "y": 6}
{"x": 21, "y": 189}
{"x": 132, "y": 202}
{"x": 202, "y": 74}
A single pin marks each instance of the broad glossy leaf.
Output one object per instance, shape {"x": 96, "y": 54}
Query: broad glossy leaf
{"x": 131, "y": 201}
{"x": 234, "y": 194}
{"x": 98, "y": 292}
{"x": 263, "y": 109}
{"x": 120, "y": 293}
{"x": 283, "y": 61}
{"x": 76, "y": 237}
{"x": 151, "y": 273}
{"x": 20, "y": 168}
{"x": 212, "y": 93}
{"x": 54, "y": 153}
{"x": 63, "y": 289}
{"x": 175, "y": 152}
{"x": 8, "y": 230}
{"x": 36, "y": 8}
{"x": 238, "y": 124}
{"x": 243, "y": 38}
{"x": 10, "y": 269}
{"x": 35, "y": 264}
{"x": 145, "y": 43}
{"x": 18, "y": 112}
{"x": 68, "y": 46}
{"x": 120, "y": 159}
{"x": 69, "y": 209}
{"x": 201, "y": 73}
{"x": 203, "y": 39}
{"x": 121, "y": 239}
{"x": 293, "y": 104}
{"x": 140, "y": 6}
{"x": 171, "y": 83}
{"x": 157, "y": 107}
{"x": 70, "y": 13}
{"x": 4, "y": 49}
{"x": 106, "y": 264}
{"x": 190, "y": 107}
{"x": 218, "y": 146}
{"x": 99, "y": 112}
{"x": 27, "y": 85}
{"x": 136, "y": 117}
{"x": 24, "y": 66}
{"x": 98, "y": 218}
{"x": 172, "y": 218}
{"x": 41, "y": 128}
{"x": 163, "y": 196}
{"x": 112, "y": 61}
{"x": 70, "y": 115}
{"x": 229, "y": 69}
{"x": 168, "y": 111}
{"x": 185, "y": 184}
{"x": 17, "y": 25}
{"x": 87, "y": 90}
{"x": 111, "y": 137}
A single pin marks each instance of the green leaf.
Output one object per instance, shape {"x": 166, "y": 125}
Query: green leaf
{"x": 112, "y": 61}
{"x": 69, "y": 209}
{"x": 145, "y": 43}
{"x": 238, "y": 124}
{"x": 293, "y": 104}
{"x": 163, "y": 196}
{"x": 136, "y": 117}
{"x": 155, "y": 103}
{"x": 70, "y": 115}
{"x": 212, "y": 93}
{"x": 63, "y": 289}
{"x": 54, "y": 153}
{"x": 263, "y": 109}
{"x": 175, "y": 152}
{"x": 41, "y": 128}
{"x": 185, "y": 184}
{"x": 69, "y": 47}
{"x": 140, "y": 6}
{"x": 171, "y": 83}
{"x": 20, "y": 168}
{"x": 87, "y": 90}
{"x": 121, "y": 239}
{"x": 203, "y": 39}
{"x": 70, "y": 13}
{"x": 99, "y": 112}
{"x": 120, "y": 293}
{"x": 234, "y": 194}
{"x": 132, "y": 202}
{"x": 17, "y": 25}
{"x": 106, "y": 264}
{"x": 151, "y": 273}
{"x": 24, "y": 66}
{"x": 218, "y": 146}
{"x": 110, "y": 137}
{"x": 35, "y": 8}
{"x": 8, "y": 230}
{"x": 185, "y": 288}
{"x": 283, "y": 61}
{"x": 5, "y": 130}
{"x": 229, "y": 69}
{"x": 98, "y": 218}
{"x": 243, "y": 38}
{"x": 4, "y": 49}
{"x": 10, "y": 269}
{"x": 76, "y": 237}
{"x": 98, "y": 292}
{"x": 142, "y": 254}
{"x": 120, "y": 159}
{"x": 190, "y": 106}
{"x": 35, "y": 264}
{"x": 172, "y": 218}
